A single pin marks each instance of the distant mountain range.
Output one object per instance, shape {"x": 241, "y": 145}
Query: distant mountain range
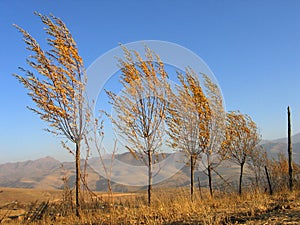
{"x": 47, "y": 173}
{"x": 274, "y": 147}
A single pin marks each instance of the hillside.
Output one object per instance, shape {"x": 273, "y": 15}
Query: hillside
{"x": 47, "y": 173}
{"x": 274, "y": 147}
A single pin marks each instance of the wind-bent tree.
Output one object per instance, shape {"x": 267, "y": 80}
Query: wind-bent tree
{"x": 242, "y": 138}
{"x": 57, "y": 85}
{"x": 189, "y": 119}
{"x": 141, "y": 106}
{"x": 212, "y": 156}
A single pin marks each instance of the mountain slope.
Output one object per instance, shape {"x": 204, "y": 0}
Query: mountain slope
{"x": 295, "y": 139}
{"x": 47, "y": 173}
{"x": 274, "y": 147}
{"x": 28, "y": 174}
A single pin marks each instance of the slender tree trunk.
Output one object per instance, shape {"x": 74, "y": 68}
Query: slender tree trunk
{"x": 149, "y": 177}
{"x": 241, "y": 178}
{"x": 192, "y": 176}
{"x": 256, "y": 180}
{"x": 290, "y": 153}
{"x": 210, "y": 180}
{"x": 269, "y": 180}
{"x": 77, "y": 183}
{"x": 199, "y": 186}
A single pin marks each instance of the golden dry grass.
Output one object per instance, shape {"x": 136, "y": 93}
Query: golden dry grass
{"x": 173, "y": 206}
{"x": 25, "y": 196}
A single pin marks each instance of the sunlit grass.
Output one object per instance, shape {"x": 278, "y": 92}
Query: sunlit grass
{"x": 173, "y": 206}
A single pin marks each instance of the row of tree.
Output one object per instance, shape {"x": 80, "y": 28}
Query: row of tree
{"x": 189, "y": 117}
{"x": 191, "y": 114}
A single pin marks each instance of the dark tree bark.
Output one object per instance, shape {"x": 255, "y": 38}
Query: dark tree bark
{"x": 209, "y": 169}
{"x": 149, "y": 177}
{"x": 290, "y": 153}
{"x": 77, "y": 182}
{"x": 269, "y": 181}
{"x": 192, "y": 175}
{"x": 241, "y": 178}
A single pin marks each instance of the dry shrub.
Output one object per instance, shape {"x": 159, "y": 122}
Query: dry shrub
{"x": 280, "y": 175}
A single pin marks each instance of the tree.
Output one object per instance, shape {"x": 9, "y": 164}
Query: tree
{"x": 257, "y": 162}
{"x": 242, "y": 138}
{"x": 58, "y": 87}
{"x": 141, "y": 105}
{"x": 189, "y": 119}
{"x": 212, "y": 156}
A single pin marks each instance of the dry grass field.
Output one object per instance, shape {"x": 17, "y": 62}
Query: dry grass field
{"x": 173, "y": 206}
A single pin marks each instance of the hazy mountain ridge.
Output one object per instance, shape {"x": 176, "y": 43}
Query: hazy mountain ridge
{"x": 47, "y": 173}
{"x": 295, "y": 139}
{"x": 274, "y": 147}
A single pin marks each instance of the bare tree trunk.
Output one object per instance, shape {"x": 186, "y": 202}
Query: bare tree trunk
{"x": 269, "y": 181}
{"x": 149, "y": 177}
{"x": 209, "y": 169}
{"x": 199, "y": 187}
{"x": 77, "y": 183}
{"x": 241, "y": 178}
{"x": 290, "y": 153}
{"x": 192, "y": 176}
{"x": 256, "y": 180}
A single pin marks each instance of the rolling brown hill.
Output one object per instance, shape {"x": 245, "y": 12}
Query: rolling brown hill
{"x": 274, "y": 147}
{"x": 47, "y": 173}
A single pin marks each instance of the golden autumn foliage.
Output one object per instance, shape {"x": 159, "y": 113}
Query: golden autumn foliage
{"x": 189, "y": 118}
{"x": 57, "y": 88}
{"x": 189, "y": 115}
{"x": 57, "y": 85}
{"x": 141, "y": 105}
{"x": 241, "y": 140}
{"x": 212, "y": 157}
{"x": 241, "y": 136}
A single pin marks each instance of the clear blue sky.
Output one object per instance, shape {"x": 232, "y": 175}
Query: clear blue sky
{"x": 252, "y": 46}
